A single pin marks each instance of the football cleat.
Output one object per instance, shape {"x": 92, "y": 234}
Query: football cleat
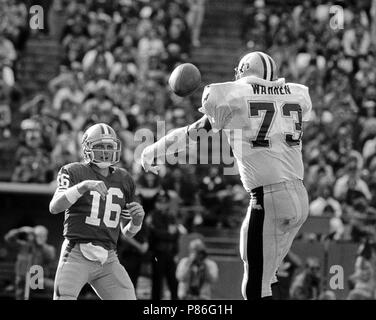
{"x": 257, "y": 64}
{"x": 101, "y": 146}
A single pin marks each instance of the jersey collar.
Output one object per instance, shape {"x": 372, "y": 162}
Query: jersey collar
{"x": 111, "y": 170}
{"x": 252, "y": 79}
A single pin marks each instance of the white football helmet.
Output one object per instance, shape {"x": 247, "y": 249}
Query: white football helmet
{"x": 101, "y": 146}
{"x": 257, "y": 64}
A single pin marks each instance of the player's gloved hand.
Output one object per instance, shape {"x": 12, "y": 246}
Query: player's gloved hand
{"x": 93, "y": 185}
{"x": 147, "y": 158}
{"x": 137, "y": 213}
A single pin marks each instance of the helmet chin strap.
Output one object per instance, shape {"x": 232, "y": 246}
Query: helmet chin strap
{"x": 103, "y": 165}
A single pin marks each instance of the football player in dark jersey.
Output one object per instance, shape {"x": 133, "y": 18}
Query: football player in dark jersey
{"x": 97, "y": 198}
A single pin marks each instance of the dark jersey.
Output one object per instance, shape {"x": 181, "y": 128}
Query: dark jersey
{"x": 92, "y": 219}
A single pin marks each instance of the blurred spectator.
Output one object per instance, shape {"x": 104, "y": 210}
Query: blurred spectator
{"x": 149, "y": 45}
{"x": 182, "y": 183}
{"x": 212, "y": 190}
{"x": 285, "y": 274}
{"x": 327, "y": 295}
{"x": 351, "y": 186}
{"x": 306, "y": 284}
{"x": 196, "y": 273}
{"x": 356, "y": 39}
{"x": 33, "y": 250}
{"x": 33, "y": 164}
{"x": 326, "y": 205}
{"x": 361, "y": 219}
{"x": 5, "y": 111}
{"x": 148, "y": 188}
{"x": 363, "y": 279}
{"x": 35, "y": 106}
{"x": 8, "y": 53}
{"x": 66, "y": 149}
{"x": 321, "y": 172}
{"x": 14, "y": 22}
{"x": 178, "y": 34}
{"x": 8, "y": 56}
{"x": 163, "y": 240}
{"x": 174, "y": 57}
{"x": 318, "y": 205}
{"x": 65, "y": 87}
{"x": 98, "y": 62}
{"x": 195, "y": 17}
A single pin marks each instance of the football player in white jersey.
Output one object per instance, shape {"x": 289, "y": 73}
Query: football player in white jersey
{"x": 269, "y": 112}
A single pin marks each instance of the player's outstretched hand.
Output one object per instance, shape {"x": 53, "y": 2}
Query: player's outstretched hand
{"x": 147, "y": 158}
{"x": 137, "y": 213}
{"x": 94, "y": 185}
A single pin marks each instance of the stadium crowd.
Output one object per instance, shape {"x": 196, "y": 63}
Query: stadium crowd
{"x": 117, "y": 59}
{"x": 13, "y": 36}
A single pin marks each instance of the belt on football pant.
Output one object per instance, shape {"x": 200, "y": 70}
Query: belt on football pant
{"x": 71, "y": 244}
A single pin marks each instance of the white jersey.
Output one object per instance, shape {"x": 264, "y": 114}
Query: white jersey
{"x": 263, "y": 123}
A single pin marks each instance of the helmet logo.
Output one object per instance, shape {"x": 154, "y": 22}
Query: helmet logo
{"x": 244, "y": 67}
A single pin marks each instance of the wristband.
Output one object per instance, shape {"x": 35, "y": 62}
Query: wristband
{"x": 72, "y": 194}
{"x": 133, "y": 228}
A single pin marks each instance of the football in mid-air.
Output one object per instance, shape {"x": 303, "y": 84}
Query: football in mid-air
{"x": 185, "y": 79}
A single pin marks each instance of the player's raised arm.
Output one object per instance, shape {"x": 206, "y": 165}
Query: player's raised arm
{"x": 179, "y": 138}
{"x": 68, "y": 193}
{"x": 183, "y": 138}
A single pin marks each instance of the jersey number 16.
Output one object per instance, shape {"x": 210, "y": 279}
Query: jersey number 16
{"x": 110, "y": 208}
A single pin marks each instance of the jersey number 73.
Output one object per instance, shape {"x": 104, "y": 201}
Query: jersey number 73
{"x": 256, "y": 109}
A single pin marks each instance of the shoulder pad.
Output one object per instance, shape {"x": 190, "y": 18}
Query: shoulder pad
{"x": 298, "y": 86}
{"x": 220, "y": 85}
{"x": 214, "y": 89}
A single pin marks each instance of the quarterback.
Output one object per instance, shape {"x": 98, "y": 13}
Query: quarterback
{"x": 270, "y": 114}
{"x": 97, "y": 198}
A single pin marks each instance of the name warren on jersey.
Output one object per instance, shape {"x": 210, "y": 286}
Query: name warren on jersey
{"x": 269, "y": 115}
{"x": 92, "y": 219}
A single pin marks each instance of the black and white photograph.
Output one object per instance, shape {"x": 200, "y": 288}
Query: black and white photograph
{"x": 188, "y": 154}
